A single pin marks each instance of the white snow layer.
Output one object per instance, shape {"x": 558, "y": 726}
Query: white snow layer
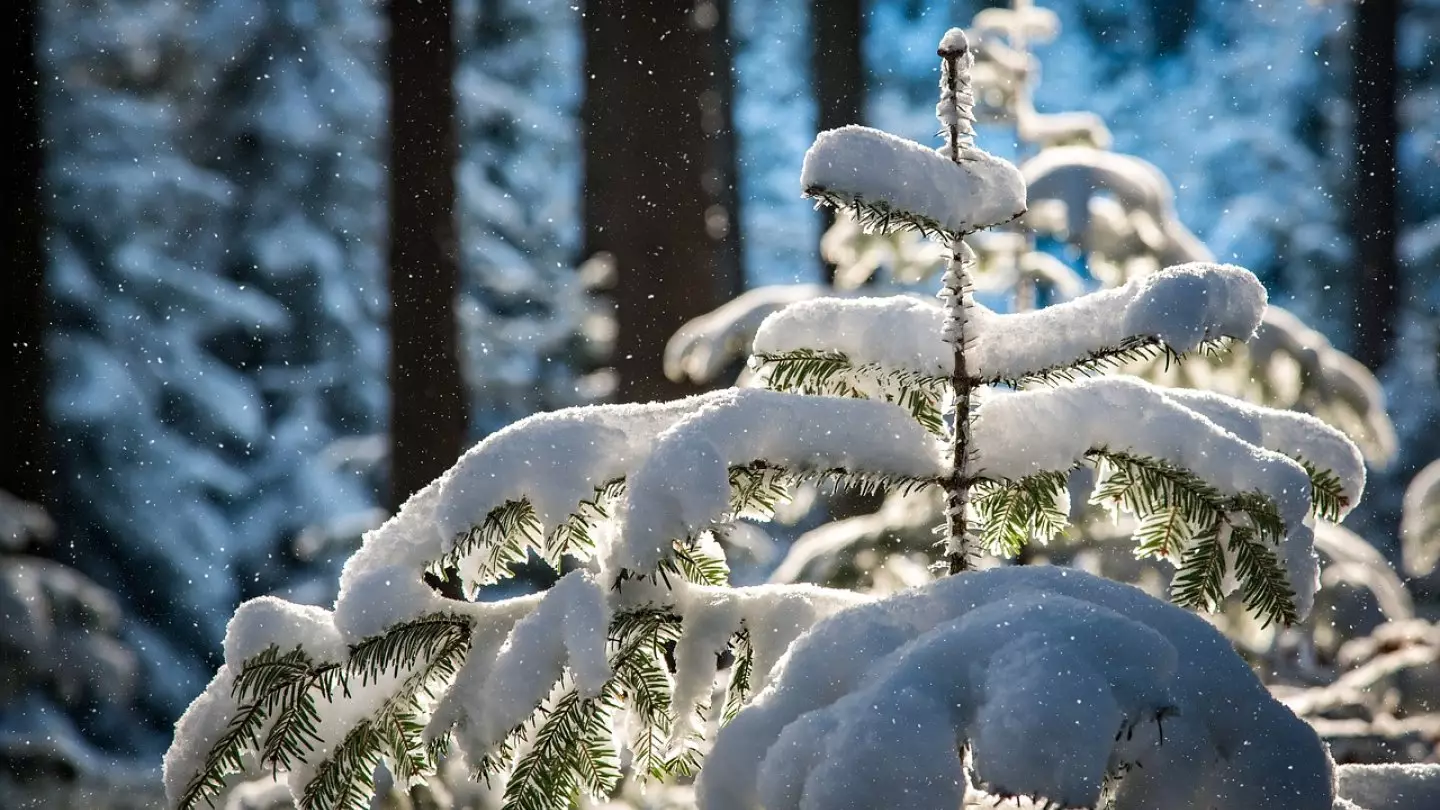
{"x": 773, "y": 616}
{"x": 568, "y": 627}
{"x": 1053, "y": 676}
{"x": 1020, "y": 434}
{"x": 1297, "y": 435}
{"x": 863, "y": 164}
{"x": 683, "y": 486}
{"x": 1181, "y": 306}
{"x": 1389, "y": 786}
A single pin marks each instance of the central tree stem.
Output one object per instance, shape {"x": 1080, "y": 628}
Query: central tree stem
{"x": 956, "y": 291}
{"x": 957, "y": 117}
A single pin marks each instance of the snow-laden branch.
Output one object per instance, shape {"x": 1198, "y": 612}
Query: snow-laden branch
{"x": 684, "y": 486}
{"x": 1058, "y": 681}
{"x": 1181, "y": 309}
{"x": 891, "y": 183}
{"x": 1022, "y": 434}
{"x": 702, "y": 348}
{"x": 1300, "y": 436}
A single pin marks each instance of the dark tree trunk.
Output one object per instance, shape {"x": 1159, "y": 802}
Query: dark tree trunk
{"x": 1374, "y": 204}
{"x": 837, "y": 66}
{"x": 24, "y": 462}
{"x": 427, "y": 395}
{"x": 659, "y": 173}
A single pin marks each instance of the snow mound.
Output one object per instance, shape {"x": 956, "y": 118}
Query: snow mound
{"x": 1390, "y": 787}
{"x": 861, "y": 164}
{"x": 1058, "y": 681}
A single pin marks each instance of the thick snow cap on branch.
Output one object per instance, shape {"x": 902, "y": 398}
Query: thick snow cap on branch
{"x": 1297, "y": 435}
{"x": 1024, "y": 433}
{"x": 684, "y": 484}
{"x": 1181, "y": 307}
{"x": 915, "y": 183}
{"x": 553, "y": 460}
{"x": 1054, "y": 677}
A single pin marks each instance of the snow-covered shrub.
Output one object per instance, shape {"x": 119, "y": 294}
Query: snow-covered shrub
{"x": 615, "y": 668}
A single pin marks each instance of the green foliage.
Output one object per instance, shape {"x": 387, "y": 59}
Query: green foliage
{"x": 574, "y": 748}
{"x": 756, "y": 489}
{"x": 1327, "y": 495}
{"x": 260, "y": 686}
{"x": 287, "y": 690}
{"x": 737, "y": 691}
{"x": 1012, "y": 513}
{"x": 1138, "y": 349}
{"x": 1200, "y": 580}
{"x": 806, "y": 371}
{"x": 1179, "y": 515}
{"x": 877, "y": 216}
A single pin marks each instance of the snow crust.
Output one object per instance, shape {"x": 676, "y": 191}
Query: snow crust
{"x": 860, "y": 163}
{"x": 1390, "y": 787}
{"x": 683, "y": 485}
{"x": 1297, "y": 435}
{"x": 568, "y": 627}
{"x": 1182, "y": 307}
{"x": 1055, "y": 677}
{"x": 1027, "y": 432}
{"x": 774, "y": 616}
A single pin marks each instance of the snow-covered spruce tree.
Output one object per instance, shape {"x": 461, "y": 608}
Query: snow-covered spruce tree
{"x": 1042, "y": 682}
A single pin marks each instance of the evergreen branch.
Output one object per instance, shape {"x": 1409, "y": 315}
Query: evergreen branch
{"x": 737, "y": 691}
{"x": 1179, "y": 513}
{"x": 295, "y": 731}
{"x": 345, "y": 779}
{"x": 574, "y": 537}
{"x": 643, "y": 642}
{"x": 690, "y": 564}
{"x": 547, "y": 777}
{"x": 825, "y": 373}
{"x": 261, "y": 680}
{"x": 1199, "y": 583}
{"x": 504, "y": 538}
{"x": 1132, "y": 350}
{"x": 757, "y": 488}
{"x": 1163, "y": 534}
{"x": 1327, "y": 494}
{"x": 1262, "y": 579}
{"x": 1011, "y": 513}
{"x": 877, "y": 216}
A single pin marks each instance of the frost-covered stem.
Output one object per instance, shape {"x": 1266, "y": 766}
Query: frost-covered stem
{"x": 956, "y": 109}
{"x": 957, "y": 294}
{"x": 957, "y": 119}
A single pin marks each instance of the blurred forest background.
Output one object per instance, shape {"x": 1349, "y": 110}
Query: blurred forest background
{"x": 275, "y": 263}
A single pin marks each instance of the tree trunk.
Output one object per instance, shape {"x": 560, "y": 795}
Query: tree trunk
{"x": 1374, "y": 204}
{"x": 427, "y": 395}
{"x": 837, "y": 65}
{"x": 659, "y": 173}
{"x": 24, "y": 462}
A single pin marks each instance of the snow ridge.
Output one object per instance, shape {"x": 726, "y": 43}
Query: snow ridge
{"x": 1181, "y": 307}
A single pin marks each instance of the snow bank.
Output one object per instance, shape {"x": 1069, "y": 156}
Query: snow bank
{"x": 861, "y": 164}
{"x": 1020, "y": 434}
{"x": 1181, "y": 307}
{"x": 1054, "y": 677}
{"x": 1390, "y": 787}
{"x": 683, "y": 486}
